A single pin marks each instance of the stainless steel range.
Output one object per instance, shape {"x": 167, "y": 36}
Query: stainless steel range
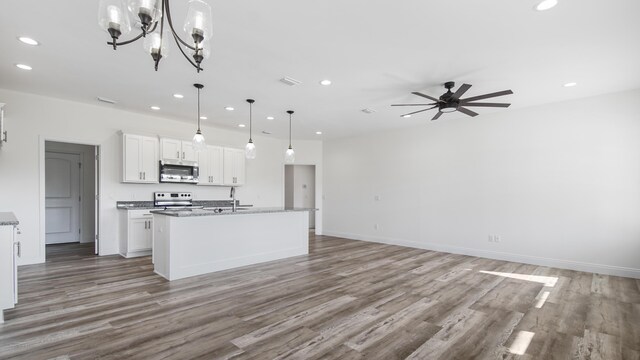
{"x": 173, "y": 200}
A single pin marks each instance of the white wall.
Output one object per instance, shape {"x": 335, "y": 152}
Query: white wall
{"x": 32, "y": 119}
{"x": 560, "y": 184}
{"x": 87, "y": 212}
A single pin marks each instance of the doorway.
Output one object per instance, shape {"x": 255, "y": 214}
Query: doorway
{"x": 300, "y": 189}
{"x": 70, "y": 177}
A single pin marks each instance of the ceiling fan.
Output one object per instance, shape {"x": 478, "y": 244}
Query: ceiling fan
{"x": 450, "y": 101}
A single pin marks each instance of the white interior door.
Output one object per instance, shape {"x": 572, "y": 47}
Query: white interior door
{"x": 62, "y": 201}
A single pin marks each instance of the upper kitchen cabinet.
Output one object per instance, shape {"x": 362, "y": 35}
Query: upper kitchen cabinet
{"x": 177, "y": 150}
{"x": 234, "y": 170}
{"x": 140, "y": 159}
{"x": 211, "y": 169}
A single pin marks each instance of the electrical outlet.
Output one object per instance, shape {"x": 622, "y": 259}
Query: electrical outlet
{"x": 376, "y": 226}
{"x": 490, "y": 238}
{"x": 376, "y": 198}
{"x": 496, "y": 238}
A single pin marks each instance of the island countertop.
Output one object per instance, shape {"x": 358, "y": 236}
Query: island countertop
{"x": 227, "y": 211}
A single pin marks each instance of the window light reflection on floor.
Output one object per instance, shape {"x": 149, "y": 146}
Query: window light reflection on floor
{"x": 549, "y": 281}
{"x": 521, "y": 343}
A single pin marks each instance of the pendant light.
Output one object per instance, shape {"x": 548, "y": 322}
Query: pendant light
{"x": 198, "y": 138}
{"x": 290, "y": 155}
{"x": 250, "y": 149}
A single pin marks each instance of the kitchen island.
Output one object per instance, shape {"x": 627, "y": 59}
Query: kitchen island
{"x": 199, "y": 241}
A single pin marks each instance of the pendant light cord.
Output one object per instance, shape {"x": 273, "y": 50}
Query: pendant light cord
{"x": 289, "y": 131}
{"x": 250, "y": 121}
{"x": 198, "y": 109}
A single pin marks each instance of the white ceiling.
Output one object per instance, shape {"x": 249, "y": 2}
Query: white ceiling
{"x": 375, "y": 51}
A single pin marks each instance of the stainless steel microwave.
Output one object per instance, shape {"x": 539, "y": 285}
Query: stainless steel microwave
{"x": 179, "y": 172}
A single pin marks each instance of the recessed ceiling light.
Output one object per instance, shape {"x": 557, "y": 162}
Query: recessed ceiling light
{"x": 241, "y": 125}
{"x": 155, "y": 108}
{"x": 325, "y": 82}
{"x": 406, "y": 116}
{"x": 546, "y": 5}
{"x": 203, "y": 118}
{"x": 229, "y": 108}
{"x": 28, "y": 41}
{"x": 178, "y": 96}
{"x": 318, "y": 132}
{"x": 23, "y": 67}
{"x": 270, "y": 118}
{"x": 570, "y": 84}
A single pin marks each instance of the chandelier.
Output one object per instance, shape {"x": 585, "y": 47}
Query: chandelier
{"x": 117, "y": 17}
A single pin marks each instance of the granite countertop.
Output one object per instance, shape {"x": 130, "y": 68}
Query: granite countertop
{"x": 148, "y": 205}
{"x": 8, "y": 218}
{"x": 241, "y": 211}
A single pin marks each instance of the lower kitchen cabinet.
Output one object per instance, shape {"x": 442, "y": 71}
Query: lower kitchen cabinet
{"x": 9, "y": 250}
{"x": 136, "y": 233}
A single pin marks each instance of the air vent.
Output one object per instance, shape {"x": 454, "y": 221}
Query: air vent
{"x": 105, "y": 100}
{"x": 368, "y": 111}
{"x": 290, "y": 81}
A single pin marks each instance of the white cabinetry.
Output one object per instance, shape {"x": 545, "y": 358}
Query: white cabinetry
{"x": 140, "y": 159}
{"x": 234, "y": 167}
{"x": 9, "y": 249}
{"x": 210, "y": 162}
{"x": 136, "y": 233}
{"x": 177, "y": 150}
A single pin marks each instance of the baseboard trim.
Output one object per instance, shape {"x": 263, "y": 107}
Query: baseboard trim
{"x": 496, "y": 255}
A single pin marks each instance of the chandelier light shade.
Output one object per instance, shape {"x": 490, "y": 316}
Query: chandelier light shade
{"x": 113, "y": 19}
{"x": 198, "y": 138}
{"x": 250, "y": 149}
{"x": 153, "y": 17}
{"x": 290, "y": 155}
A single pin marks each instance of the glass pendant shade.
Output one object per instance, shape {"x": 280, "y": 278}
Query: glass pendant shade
{"x": 250, "y": 150}
{"x": 112, "y": 18}
{"x": 145, "y": 11}
{"x": 198, "y": 23}
{"x": 289, "y": 156}
{"x": 198, "y": 142}
{"x": 152, "y": 44}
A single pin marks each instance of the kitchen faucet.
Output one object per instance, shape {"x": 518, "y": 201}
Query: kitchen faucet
{"x": 233, "y": 196}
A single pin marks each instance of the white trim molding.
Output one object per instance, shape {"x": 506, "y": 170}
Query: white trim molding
{"x": 496, "y": 255}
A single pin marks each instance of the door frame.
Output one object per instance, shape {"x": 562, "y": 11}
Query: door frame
{"x": 81, "y": 189}
{"x": 318, "y": 172}
{"x": 42, "y": 195}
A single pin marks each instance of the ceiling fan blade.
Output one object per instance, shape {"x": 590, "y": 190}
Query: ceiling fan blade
{"x": 415, "y": 112}
{"x": 461, "y": 90}
{"x": 425, "y": 96}
{"x": 437, "y": 115}
{"x": 503, "y": 105}
{"x": 413, "y": 104}
{"x": 419, "y": 111}
{"x": 486, "y": 96}
{"x": 467, "y": 111}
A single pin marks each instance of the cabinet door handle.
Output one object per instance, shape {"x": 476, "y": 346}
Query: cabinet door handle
{"x": 18, "y": 245}
{"x": 183, "y": 155}
{"x": 140, "y": 175}
{"x": 144, "y": 176}
{"x": 145, "y": 224}
{"x": 178, "y": 154}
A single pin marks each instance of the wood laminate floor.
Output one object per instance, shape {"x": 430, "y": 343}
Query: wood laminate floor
{"x": 346, "y": 300}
